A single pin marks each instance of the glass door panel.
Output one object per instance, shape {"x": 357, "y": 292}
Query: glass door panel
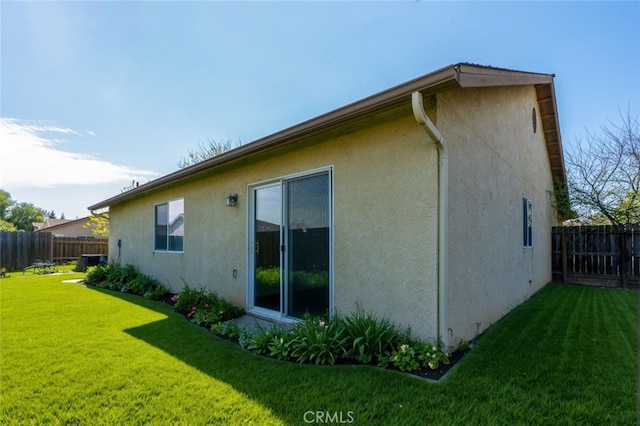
{"x": 307, "y": 245}
{"x": 268, "y": 225}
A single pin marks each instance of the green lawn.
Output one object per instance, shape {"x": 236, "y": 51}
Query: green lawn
{"x": 74, "y": 355}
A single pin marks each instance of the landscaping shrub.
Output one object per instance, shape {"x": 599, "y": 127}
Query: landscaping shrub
{"x": 142, "y": 284}
{"x": 414, "y": 355}
{"x": 371, "y": 338}
{"x": 204, "y": 307}
{"x": 120, "y": 277}
{"x": 190, "y": 297}
{"x": 227, "y": 329}
{"x": 318, "y": 340}
{"x": 125, "y": 279}
{"x": 360, "y": 338}
{"x": 258, "y": 340}
{"x": 96, "y": 275}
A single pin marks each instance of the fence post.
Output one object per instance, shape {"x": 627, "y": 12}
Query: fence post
{"x": 623, "y": 255}
{"x": 563, "y": 249}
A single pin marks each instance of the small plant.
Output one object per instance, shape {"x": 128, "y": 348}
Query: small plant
{"x": 156, "y": 293}
{"x": 190, "y": 297}
{"x": 227, "y": 310}
{"x": 120, "y": 276}
{"x": 125, "y": 279}
{"x": 319, "y": 340}
{"x": 259, "y": 341}
{"x": 203, "y": 316}
{"x": 404, "y": 358}
{"x": 281, "y": 346}
{"x": 227, "y": 329}
{"x": 141, "y": 284}
{"x": 413, "y": 355}
{"x": 371, "y": 337}
{"x": 244, "y": 338}
{"x": 97, "y": 275}
{"x": 204, "y": 307}
{"x": 432, "y": 356}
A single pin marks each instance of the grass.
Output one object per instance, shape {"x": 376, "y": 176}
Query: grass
{"x": 75, "y": 355}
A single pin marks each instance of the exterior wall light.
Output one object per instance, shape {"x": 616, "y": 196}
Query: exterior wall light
{"x": 231, "y": 200}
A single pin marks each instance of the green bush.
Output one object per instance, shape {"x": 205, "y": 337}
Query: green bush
{"x": 371, "y": 338}
{"x": 125, "y": 279}
{"x": 283, "y": 345}
{"x": 96, "y": 274}
{"x": 120, "y": 277}
{"x": 319, "y": 340}
{"x": 360, "y": 337}
{"x": 227, "y": 310}
{"x": 141, "y": 284}
{"x": 204, "y": 307}
{"x": 227, "y": 329}
{"x": 190, "y": 297}
{"x": 258, "y": 341}
{"x": 412, "y": 355}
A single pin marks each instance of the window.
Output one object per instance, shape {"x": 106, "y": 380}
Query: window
{"x": 527, "y": 222}
{"x": 169, "y": 226}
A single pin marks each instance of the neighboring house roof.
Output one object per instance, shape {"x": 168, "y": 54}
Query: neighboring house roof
{"x": 463, "y": 75}
{"x": 67, "y": 227}
{"x": 49, "y": 222}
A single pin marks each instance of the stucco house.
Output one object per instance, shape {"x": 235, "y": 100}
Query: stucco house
{"x": 76, "y": 228}
{"x": 428, "y": 203}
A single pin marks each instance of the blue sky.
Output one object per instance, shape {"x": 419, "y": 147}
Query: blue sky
{"x": 96, "y": 94}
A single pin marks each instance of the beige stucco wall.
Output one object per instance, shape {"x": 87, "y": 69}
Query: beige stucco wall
{"x": 384, "y": 214}
{"x": 495, "y": 160}
{"x": 71, "y": 229}
{"x": 385, "y": 221}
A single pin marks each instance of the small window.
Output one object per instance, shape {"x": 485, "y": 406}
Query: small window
{"x": 169, "y": 226}
{"x": 527, "y": 222}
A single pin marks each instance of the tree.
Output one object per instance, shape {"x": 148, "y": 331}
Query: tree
{"x": 22, "y": 215}
{"x": 5, "y": 203}
{"x": 100, "y": 224}
{"x": 7, "y": 226}
{"x": 604, "y": 174}
{"x": 205, "y": 151}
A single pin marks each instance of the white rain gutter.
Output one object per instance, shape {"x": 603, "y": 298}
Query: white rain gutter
{"x": 443, "y": 211}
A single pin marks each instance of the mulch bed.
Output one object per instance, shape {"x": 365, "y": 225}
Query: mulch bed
{"x": 437, "y": 374}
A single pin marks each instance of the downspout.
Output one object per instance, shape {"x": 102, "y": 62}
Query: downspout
{"x": 443, "y": 212}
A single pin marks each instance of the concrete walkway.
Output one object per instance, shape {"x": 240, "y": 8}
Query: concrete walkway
{"x": 249, "y": 321}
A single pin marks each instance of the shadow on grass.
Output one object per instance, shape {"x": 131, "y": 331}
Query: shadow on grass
{"x": 287, "y": 389}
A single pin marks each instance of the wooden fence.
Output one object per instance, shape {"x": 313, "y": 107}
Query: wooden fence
{"x": 597, "y": 255}
{"x": 66, "y": 248}
{"x": 21, "y": 249}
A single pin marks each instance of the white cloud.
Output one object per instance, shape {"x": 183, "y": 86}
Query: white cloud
{"x": 31, "y": 158}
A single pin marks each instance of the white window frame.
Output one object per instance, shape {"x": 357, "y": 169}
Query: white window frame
{"x": 155, "y": 235}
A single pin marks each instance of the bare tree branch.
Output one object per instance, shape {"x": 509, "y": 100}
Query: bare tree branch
{"x": 604, "y": 173}
{"x": 203, "y": 152}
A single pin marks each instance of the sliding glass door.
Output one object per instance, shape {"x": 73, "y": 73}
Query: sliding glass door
{"x": 291, "y": 223}
{"x": 267, "y": 243}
